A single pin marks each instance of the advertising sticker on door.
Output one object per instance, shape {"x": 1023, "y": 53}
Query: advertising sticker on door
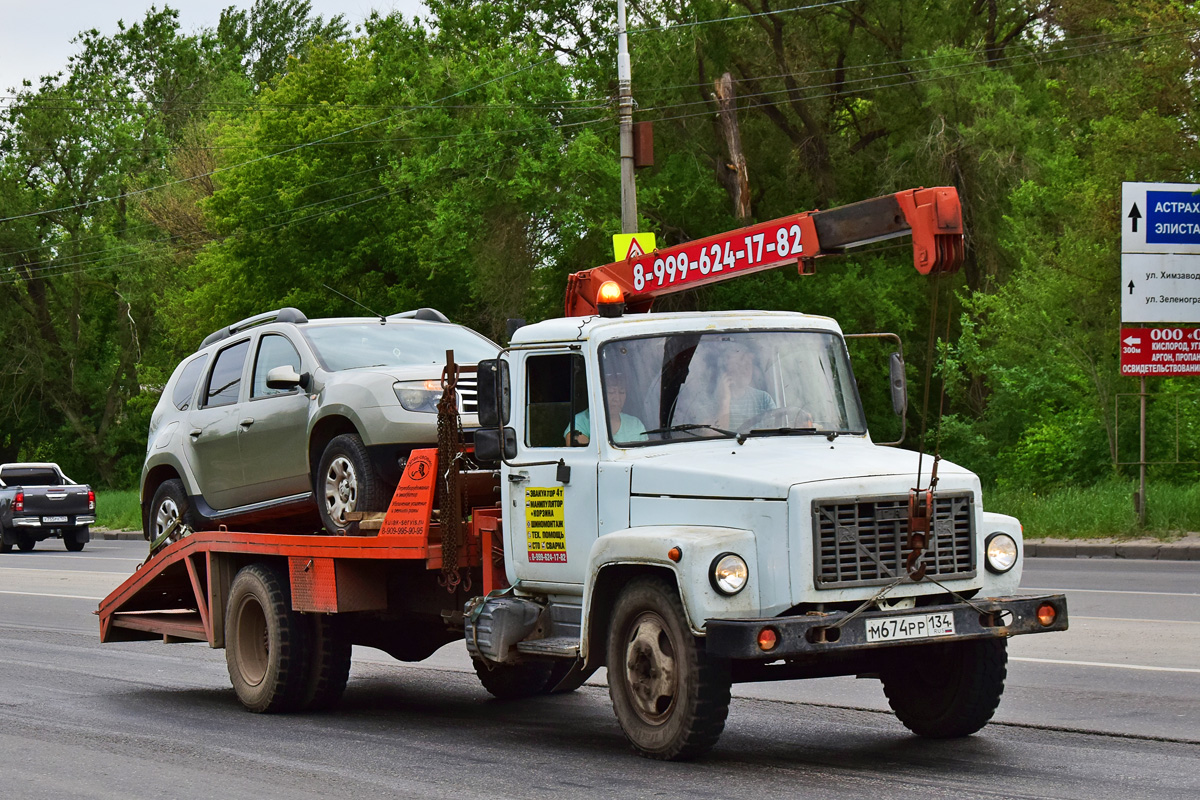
{"x": 545, "y": 532}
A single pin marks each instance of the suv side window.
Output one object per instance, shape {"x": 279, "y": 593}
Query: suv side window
{"x": 185, "y": 387}
{"x": 225, "y": 381}
{"x": 555, "y": 394}
{"x": 273, "y": 351}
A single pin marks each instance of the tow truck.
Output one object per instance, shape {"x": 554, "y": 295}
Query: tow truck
{"x": 689, "y": 500}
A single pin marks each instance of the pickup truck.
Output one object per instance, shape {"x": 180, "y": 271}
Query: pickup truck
{"x": 37, "y": 501}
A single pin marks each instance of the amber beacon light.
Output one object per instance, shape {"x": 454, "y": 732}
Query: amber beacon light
{"x": 610, "y": 300}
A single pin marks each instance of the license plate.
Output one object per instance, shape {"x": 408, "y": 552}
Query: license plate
{"x": 890, "y": 629}
{"x": 50, "y": 520}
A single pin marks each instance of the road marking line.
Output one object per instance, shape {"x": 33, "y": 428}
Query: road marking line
{"x": 62, "y": 596}
{"x": 1154, "y": 621}
{"x": 1102, "y": 664}
{"x": 1111, "y": 591}
{"x": 64, "y": 572}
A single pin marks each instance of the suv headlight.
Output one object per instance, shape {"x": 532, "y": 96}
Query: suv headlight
{"x": 729, "y": 573}
{"x": 1000, "y": 552}
{"x": 420, "y": 396}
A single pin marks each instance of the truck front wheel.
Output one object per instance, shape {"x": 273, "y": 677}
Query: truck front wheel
{"x": 266, "y": 642}
{"x": 670, "y": 698}
{"x": 947, "y": 690}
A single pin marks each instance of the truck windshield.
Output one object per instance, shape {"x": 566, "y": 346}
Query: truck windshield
{"x": 355, "y": 345}
{"x": 683, "y": 387}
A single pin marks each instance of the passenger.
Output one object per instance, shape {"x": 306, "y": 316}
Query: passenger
{"x": 626, "y": 427}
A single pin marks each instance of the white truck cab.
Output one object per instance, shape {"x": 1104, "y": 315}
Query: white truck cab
{"x": 694, "y": 499}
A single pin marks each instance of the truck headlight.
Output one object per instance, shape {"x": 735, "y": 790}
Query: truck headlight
{"x": 420, "y": 396}
{"x": 729, "y": 573}
{"x": 1000, "y": 552}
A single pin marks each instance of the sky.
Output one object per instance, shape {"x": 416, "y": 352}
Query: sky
{"x": 35, "y": 35}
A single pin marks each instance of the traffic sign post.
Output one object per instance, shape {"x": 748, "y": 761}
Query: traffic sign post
{"x": 1160, "y": 283}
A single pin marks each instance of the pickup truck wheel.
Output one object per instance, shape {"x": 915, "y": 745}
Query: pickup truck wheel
{"x": 265, "y": 642}
{"x": 669, "y": 696}
{"x": 25, "y": 542}
{"x": 328, "y": 664}
{"x": 73, "y": 540}
{"x": 513, "y": 681}
{"x": 346, "y": 481}
{"x": 169, "y": 504}
{"x": 947, "y": 690}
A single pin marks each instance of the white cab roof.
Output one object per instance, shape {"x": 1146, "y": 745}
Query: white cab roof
{"x": 578, "y": 329}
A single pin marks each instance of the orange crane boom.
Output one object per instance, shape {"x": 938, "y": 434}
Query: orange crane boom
{"x": 933, "y": 217}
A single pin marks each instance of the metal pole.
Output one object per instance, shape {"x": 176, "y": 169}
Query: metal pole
{"x": 1142, "y": 461}
{"x": 625, "y": 120}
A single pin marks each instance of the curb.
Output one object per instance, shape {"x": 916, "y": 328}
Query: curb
{"x": 114, "y": 535}
{"x": 1133, "y": 550}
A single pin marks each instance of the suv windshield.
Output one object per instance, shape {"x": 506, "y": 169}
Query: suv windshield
{"x": 395, "y": 344}
{"x": 701, "y": 386}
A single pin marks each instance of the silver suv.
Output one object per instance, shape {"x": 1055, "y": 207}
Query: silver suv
{"x": 283, "y": 423}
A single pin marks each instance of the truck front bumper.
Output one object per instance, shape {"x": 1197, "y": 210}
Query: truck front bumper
{"x": 843, "y": 632}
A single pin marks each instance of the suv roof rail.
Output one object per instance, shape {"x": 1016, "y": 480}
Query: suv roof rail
{"x": 288, "y": 314}
{"x": 427, "y": 314}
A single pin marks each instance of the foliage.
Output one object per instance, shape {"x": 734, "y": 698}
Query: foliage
{"x": 169, "y": 183}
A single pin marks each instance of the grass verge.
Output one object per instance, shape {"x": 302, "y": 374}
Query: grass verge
{"x": 1103, "y": 510}
{"x": 118, "y": 510}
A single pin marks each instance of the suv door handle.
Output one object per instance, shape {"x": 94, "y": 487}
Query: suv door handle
{"x": 247, "y": 422}
{"x": 194, "y": 432}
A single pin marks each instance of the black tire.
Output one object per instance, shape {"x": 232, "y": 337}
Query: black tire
{"x": 345, "y": 481}
{"x": 513, "y": 681}
{"x": 170, "y": 502}
{"x": 670, "y": 698}
{"x": 76, "y": 539}
{"x": 6, "y": 542}
{"x": 328, "y": 664}
{"x": 25, "y": 542}
{"x": 948, "y": 690}
{"x": 266, "y": 642}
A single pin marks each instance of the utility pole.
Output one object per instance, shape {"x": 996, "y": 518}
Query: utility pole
{"x": 625, "y": 121}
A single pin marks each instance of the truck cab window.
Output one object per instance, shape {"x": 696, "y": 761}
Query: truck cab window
{"x": 555, "y": 400}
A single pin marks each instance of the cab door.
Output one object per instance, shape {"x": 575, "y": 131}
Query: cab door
{"x": 211, "y": 436}
{"x": 550, "y": 489}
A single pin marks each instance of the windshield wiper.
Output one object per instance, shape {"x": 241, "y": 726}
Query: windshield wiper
{"x": 809, "y": 431}
{"x": 691, "y": 428}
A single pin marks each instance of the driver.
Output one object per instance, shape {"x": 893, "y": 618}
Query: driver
{"x": 736, "y": 401}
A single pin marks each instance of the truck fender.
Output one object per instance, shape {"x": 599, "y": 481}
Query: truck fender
{"x": 1000, "y": 585}
{"x": 616, "y": 557}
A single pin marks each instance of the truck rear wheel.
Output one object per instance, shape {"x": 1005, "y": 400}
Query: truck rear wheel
{"x": 25, "y": 542}
{"x": 74, "y": 540}
{"x": 514, "y": 681}
{"x": 265, "y": 642}
{"x": 328, "y": 664}
{"x": 669, "y": 696}
{"x": 947, "y": 690}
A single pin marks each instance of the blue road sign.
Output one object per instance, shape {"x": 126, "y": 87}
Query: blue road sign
{"x": 1172, "y": 218}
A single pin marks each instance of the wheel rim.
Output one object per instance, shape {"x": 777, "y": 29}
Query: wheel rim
{"x": 167, "y": 513}
{"x": 253, "y": 642}
{"x": 650, "y": 668}
{"x": 341, "y": 489}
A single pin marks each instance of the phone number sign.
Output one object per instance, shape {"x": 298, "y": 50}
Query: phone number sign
{"x": 1160, "y": 351}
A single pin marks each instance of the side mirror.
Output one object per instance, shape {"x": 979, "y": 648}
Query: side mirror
{"x": 899, "y": 384}
{"x": 285, "y": 378}
{"x": 494, "y": 393}
{"x": 495, "y": 444}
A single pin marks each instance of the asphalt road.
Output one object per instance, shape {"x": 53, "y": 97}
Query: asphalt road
{"x": 1109, "y": 709}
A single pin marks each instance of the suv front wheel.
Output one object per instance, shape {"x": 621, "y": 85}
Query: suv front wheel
{"x": 346, "y": 481}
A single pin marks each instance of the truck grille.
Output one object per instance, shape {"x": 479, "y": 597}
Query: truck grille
{"x": 861, "y": 541}
{"x": 468, "y": 393}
